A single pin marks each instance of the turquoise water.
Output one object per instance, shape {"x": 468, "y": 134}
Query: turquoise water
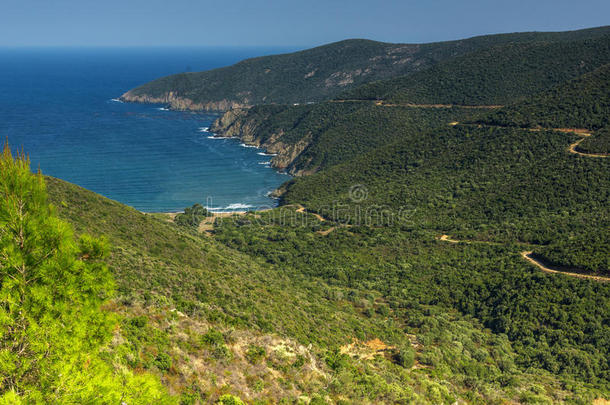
{"x": 57, "y": 104}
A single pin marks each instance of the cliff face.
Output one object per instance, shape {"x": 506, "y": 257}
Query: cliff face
{"x": 235, "y": 123}
{"x": 181, "y": 103}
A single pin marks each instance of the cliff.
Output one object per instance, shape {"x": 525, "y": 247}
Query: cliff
{"x": 237, "y": 123}
{"x": 176, "y": 102}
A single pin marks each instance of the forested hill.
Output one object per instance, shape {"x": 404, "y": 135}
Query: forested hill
{"x": 497, "y": 75}
{"x": 319, "y": 73}
{"x": 543, "y": 79}
{"x": 580, "y": 103}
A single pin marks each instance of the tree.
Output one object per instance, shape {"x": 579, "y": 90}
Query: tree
{"x": 51, "y": 291}
{"x": 192, "y": 216}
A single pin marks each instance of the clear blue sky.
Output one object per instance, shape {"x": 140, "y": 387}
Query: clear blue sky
{"x": 281, "y": 22}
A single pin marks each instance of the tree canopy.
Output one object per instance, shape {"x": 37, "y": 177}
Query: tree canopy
{"x": 52, "y": 287}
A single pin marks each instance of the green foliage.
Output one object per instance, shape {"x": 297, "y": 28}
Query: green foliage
{"x": 163, "y": 362}
{"x": 581, "y": 103}
{"x": 496, "y": 75}
{"x": 455, "y": 188}
{"x": 213, "y": 338}
{"x": 229, "y": 399}
{"x": 331, "y": 133}
{"x": 52, "y": 288}
{"x": 598, "y": 143}
{"x": 405, "y": 357}
{"x": 255, "y": 354}
{"x": 192, "y": 216}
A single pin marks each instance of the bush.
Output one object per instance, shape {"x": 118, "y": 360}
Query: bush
{"x": 213, "y": 338}
{"x": 192, "y": 217}
{"x": 254, "y": 354}
{"x": 405, "y": 357}
{"x": 163, "y": 362}
{"x": 230, "y": 400}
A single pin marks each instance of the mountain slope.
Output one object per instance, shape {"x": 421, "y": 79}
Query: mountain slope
{"x": 316, "y": 74}
{"x": 309, "y": 138}
{"x": 582, "y": 103}
{"x": 211, "y": 320}
{"x": 497, "y": 75}
{"x": 269, "y": 324}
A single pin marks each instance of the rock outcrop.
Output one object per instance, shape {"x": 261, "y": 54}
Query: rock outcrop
{"x": 176, "y": 102}
{"x": 235, "y": 124}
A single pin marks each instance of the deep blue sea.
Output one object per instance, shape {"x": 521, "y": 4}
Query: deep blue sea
{"x": 57, "y": 104}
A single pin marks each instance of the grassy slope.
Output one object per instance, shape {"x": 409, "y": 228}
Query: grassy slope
{"x": 155, "y": 261}
{"x": 269, "y": 310}
{"x": 322, "y": 72}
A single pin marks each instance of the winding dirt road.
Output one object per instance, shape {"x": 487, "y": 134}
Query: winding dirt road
{"x": 583, "y": 133}
{"x": 381, "y": 103}
{"x": 302, "y": 209}
{"x": 527, "y": 255}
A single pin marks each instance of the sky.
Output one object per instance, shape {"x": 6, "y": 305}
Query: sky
{"x": 281, "y": 22}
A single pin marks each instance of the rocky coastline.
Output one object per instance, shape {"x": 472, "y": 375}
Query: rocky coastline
{"x": 235, "y": 124}
{"x": 179, "y": 103}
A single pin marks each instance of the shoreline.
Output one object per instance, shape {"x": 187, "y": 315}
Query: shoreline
{"x": 205, "y": 131}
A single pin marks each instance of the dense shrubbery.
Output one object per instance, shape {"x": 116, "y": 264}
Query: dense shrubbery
{"x": 503, "y": 184}
{"x": 418, "y": 276}
{"x": 338, "y": 132}
{"x": 581, "y": 103}
{"x": 497, "y": 75}
{"x": 598, "y": 143}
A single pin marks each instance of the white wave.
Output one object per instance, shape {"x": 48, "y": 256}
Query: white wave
{"x": 116, "y": 100}
{"x": 243, "y": 145}
{"x": 233, "y": 207}
{"x": 204, "y": 129}
{"x": 218, "y": 137}
{"x": 266, "y": 154}
{"x": 264, "y": 163}
{"x": 239, "y": 206}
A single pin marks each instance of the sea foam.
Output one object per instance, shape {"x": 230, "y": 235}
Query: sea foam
{"x": 232, "y": 207}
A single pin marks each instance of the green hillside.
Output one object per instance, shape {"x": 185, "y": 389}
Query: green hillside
{"x": 319, "y": 73}
{"x": 546, "y": 78}
{"x": 581, "y": 103}
{"x": 184, "y": 296}
{"x": 497, "y": 75}
{"x": 310, "y": 138}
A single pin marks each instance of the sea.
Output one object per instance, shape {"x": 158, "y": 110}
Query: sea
{"x": 60, "y": 106}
